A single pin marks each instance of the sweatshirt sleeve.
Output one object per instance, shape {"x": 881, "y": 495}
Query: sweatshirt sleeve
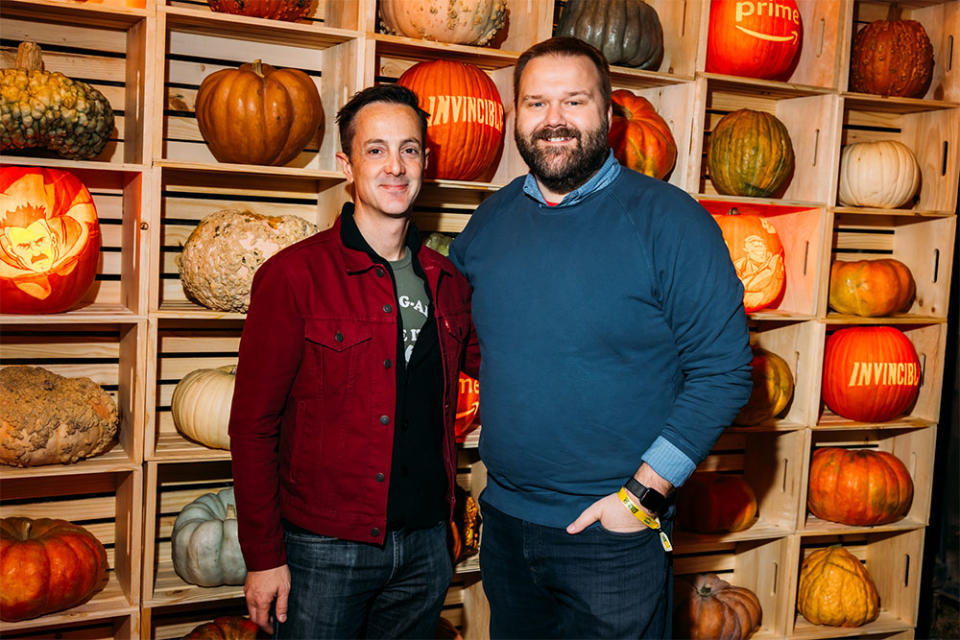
{"x": 702, "y": 300}
{"x": 270, "y": 353}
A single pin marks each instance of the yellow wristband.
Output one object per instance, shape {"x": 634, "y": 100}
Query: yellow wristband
{"x": 651, "y": 521}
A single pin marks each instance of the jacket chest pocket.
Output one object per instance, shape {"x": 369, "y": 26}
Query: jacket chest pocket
{"x": 453, "y": 332}
{"x": 334, "y": 354}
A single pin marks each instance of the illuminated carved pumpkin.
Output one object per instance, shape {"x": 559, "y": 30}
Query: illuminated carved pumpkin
{"x": 757, "y": 255}
{"x": 468, "y": 403}
{"x": 753, "y": 39}
{"x": 49, "y": 240}
{"x": 465, "y": 126}
{"x": 870, "y": 374}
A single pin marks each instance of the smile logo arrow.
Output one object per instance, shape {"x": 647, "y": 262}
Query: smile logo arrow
{"x": 764, "y": 36}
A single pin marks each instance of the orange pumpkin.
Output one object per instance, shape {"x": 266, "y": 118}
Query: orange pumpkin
{"x": 640, "y": 138}
{"x": 713, "y": 609}
{"x": 892, "y": 58}
{"x": 772, "y": 388}
{"x": 858, "y": 486}
{"x": 871, "y": 287}
{"x": 274, "y": 9}
{"x": 468, "y": 403}
{"x": 49, "y": 240}
{"x": 465, "y": 126}
{"x": 753, "y": 39}
{"x": 757, "y": 255}
{"x": 47, "y": 565}
{"x": 716, "y": 503}
{"x": 257, "y": 114}
{"x": 870, "y": 374}
{"x": 225, "y": 628}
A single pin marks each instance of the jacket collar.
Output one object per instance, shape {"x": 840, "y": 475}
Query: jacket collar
{"x": 359, "y": 255}
{"x": 600, "y": 180}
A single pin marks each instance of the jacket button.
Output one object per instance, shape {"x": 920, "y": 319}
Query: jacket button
{"x": 384, "y": 419}
{"x": 374, "y": 532}
{"x": 387, "y": 308}
{"x": 379, "y": 272}
{"x": 338, "y": 337}
{"x": 379, "y": 477}
{"x": 387, "y": 364}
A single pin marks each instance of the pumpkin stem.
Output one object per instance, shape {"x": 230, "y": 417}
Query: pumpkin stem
{"x": 231, "y": 513}
{"x": 257, "y": 67}
{"x": 733, "y": 211}
{"x": 893, "y": 13}
{"x": 28, "y": 56}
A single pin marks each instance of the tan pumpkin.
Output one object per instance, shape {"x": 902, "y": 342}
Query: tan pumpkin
{"x": 882, "y": 174}
{"x": 713, "y": 609}
{"x": 201, "y": 405}
{"x": 871, "y": 287}
{"x": 836, "y": 589}
{"x": 772, "y": 388}
{"x": 452, "y": 21}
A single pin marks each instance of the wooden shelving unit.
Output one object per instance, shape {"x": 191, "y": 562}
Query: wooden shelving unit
{"x": 137, "y": 333}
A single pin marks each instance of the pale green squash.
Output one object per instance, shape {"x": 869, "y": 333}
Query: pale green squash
{"x": 206, "y": 550}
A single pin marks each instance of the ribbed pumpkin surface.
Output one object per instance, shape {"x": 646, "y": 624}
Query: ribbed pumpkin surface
{"x": 201, "y": 405}
{"x": 892, "y": 58}
{"x": 713, "y": 609}
{"x": 881, "y": 174}
{"x": 628, "y": 32}
{"x": 641, "y": 140}
{"x": 758, "y": 44}
{"x": 772, "y": 388}
{"x": 858, "y": 486}
{"x": 453, "y": 21}
{"x": 750, "y": 154}
{"x": 871, "y": 287}
{"x": 836, "y": 590}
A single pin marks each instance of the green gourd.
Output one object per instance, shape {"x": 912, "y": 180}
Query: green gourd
{"x": 628, "y": 32}
{"x": 206, "y": 550}
{"x": 750, "y": 154}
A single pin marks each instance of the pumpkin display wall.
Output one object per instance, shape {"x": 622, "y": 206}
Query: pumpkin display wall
{"x": 201, "y": 405}
{"x": 757, "y": 255}
{"x": 473, "y": 22}
{"x": 46, "y": 418}
{"x": 870, "y": 374}
{"x": 257, "y": 114}
{"x": 288, "y": 10}
{"x": 871, "y": 287}
{"x": 465, "y": 125}
{"x": 752, "y": 38}
{"x": 711, "y": 502}
{"x": 772, "y": 388}
{"x": 226, "y": 628}
{"x": 712, "y": 609}
{"x": 858, "y": 487}
{"x": 892, "y": 58}
{"x": 750, "y": 154}
{"x": 836, "y": 589}
{"x": 204, "y": 543}
{"x": 224, "y": 251}
{"x": 882, "y": 174}
{"x": 641, "y": 140}
{"x": 468, "y": 403}
{"x": 49, "y": 240}
{"x": 47, "y": 565}
{"x": 628, "y": 32}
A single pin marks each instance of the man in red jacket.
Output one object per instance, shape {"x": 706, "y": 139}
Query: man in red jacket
{"x": 342, "y": 420}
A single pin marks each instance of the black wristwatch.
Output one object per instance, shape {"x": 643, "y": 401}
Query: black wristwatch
{"x": 650, "y": 499}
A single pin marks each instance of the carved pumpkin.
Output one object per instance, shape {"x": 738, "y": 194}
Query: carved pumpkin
{"x": 757, "y": 256}
{"x": 753, "y": 39}
{"x": 772, "y": 388}
{"x": 628, "y": 32}
{"x": 49, "y": 240}
{"x": 881, "y": 174}
{"x": 288, "y": 10}
{"x": 870, "y": 374}
{"x": 468, "y": 403}
{"x": 465, "y": 126}
{"x": 716, "y": 503}
{"x": 47, "y": 565}
{"x": 892, "y": 58}
{"x": 713, "y": 609}
{"x": 226, "y": 628}
{"x": 204, "y": 543}
{"x": 750, "y": 154}
{"x": 871, "y": 287}
{"x": 641, "y": 140}
{"x": 858, "y": 486}
{"x": 258, "y": 114}
{"x": 473, "y": 22}
{"x": 201, "y": 405}
{"x": 836, "y": 589}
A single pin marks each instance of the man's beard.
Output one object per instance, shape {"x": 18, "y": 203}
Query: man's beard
{"x": 563, "y": 170}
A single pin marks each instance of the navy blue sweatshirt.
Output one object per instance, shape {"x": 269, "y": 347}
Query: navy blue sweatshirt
{"x": 612, "y": 332}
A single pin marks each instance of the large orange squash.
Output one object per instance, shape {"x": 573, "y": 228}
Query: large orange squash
{"x": 870, "y": 374}
{"x": 753, "y": 39}
{"x": 858, "y": 486}
{"x": 465, "y": 127}
{"x": 871, "y": 287}
{"x": 716, "y": 503}
{"x": 47, "y": 565}
{"x": 772, "y": 388}
{"x": 468, "y": 403}
{"x": 225, "y": 628}
{"x": 892, "y": 58}
{"x": 713, "y": 609}
{"x": 258, "y": 114}
{"x": 641, "y": 140}
{"x": 757, "y": 255}
{"x": 288, "y": 10}
{"x": 836, "y": 589}
{"x": 49, "y": 240}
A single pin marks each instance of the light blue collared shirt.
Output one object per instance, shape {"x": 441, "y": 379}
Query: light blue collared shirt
{"x": 602, "y": 178}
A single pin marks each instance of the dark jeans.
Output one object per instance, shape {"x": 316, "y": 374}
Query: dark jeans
{"x": 344, "y": 589}
{"x": 543, "y": 582}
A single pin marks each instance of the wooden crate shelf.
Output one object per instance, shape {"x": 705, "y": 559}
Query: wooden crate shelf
{"x": 127, "y": 626}
{"x": 77, "y": 12}
{"x": 173, "y": 623}
{"x": 333, "y": 14}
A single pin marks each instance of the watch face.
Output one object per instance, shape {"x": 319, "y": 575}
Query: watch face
{"x": 652, "y": 500}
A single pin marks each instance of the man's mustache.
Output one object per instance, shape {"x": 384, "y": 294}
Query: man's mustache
{"x": 556, "y": 132}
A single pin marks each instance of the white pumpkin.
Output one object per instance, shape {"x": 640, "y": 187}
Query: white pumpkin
{"x": 453, "y": 21}
{"x": 204, "y": 542}
{"x": 882, "y": 174}
{"x": 201, "y": 405}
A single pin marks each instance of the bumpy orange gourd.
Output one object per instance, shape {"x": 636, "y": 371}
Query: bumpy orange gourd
{"x": 225, "y": 628}
{"x": 465, "y": 126}
{"x": 858, "y": 486}
{"x": 49, "y": 240}
{"x": 772, "y": 388}
{"x": 257, "y": 114}
{"x": 892, "y": 58}
{"x": 641, "y": 140}
{"x": 753, "y": 39}
{"x": 870, "y": 374}
{"x": 836, "y": 589}
{"x": 468, "y": 403}
{"x": 47, "y": 565}
{"x": 871, "y": 287}
{"x": 713, "y": 609}
{"x": 757, "y": 255}
{"x": 288, "y": 10}
{"x": 716, "y": 503}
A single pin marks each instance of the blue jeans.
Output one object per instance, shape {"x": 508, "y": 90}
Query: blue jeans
{"x": 543, "y": 582}
{"x": 345, "y": 589}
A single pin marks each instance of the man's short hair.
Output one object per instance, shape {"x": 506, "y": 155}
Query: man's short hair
{"x": 565, "y": 46}
{"x": 388, "y": 93}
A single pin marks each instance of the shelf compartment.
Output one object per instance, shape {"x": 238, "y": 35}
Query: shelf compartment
{"x": 174, "y": 623}
{"x": 127, "y": 626}
{"x": 112, "y": 13}
{"x": 109, "y": 505}
{"x": 314, "y": 31}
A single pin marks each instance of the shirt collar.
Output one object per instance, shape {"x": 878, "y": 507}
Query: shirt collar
{"x": 601, "y": 179}
{"x": 352, "y": 238}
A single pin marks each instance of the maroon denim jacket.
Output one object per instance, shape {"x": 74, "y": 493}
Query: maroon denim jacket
{"x": 312, "y": 420}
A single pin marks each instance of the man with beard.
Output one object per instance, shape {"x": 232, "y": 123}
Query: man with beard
{"x": 614, "y": 352}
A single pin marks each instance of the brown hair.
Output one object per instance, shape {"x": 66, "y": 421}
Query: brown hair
{"x": 565, "y": 46}
{"x": 389, "y": 93}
